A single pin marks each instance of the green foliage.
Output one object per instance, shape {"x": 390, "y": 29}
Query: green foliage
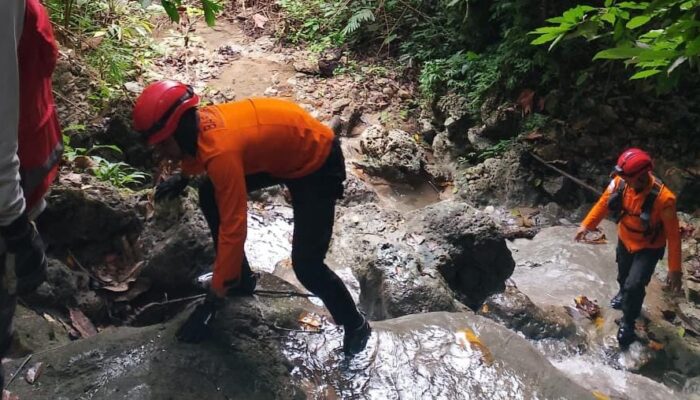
{"x": 209, "y": 7}
{"x": 534, "y": 121}
{"x": 119, "y": 174}
{"x": 113, "y": 36}
{"x": 659, "y": 38}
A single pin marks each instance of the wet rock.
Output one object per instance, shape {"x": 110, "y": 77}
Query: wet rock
{"x": 179, "y": 244}
{"x": 516, "y": 311}
{"x": 88, "y": 219}
{"x": 357, "y": 192}
{"x": 439, "y": 356}
{"x": 391, "y": 154}
{"x": 258, "y": 350}
{"x": 242, "y": 359}
{"x": 423, "y": 262}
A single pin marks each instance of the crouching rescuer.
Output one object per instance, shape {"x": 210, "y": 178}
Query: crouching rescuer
{"x": 645, "y": 212}
{"x": 241, "y": 147}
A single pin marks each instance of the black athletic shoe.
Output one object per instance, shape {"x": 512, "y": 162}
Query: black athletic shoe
{"x": 356, "y": 339}
{"x": 247, "y": 286}
{"x": 626, "y": 335}
{"x": 616, "y": 302}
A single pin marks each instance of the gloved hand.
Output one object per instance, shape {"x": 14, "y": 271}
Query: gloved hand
{"x": 171, "y": 187}
{"x": 24, "y": 243}
{"x": 196, "y": 328}
{"x": 674, "y": 281}
{"x": 580, "y": 234}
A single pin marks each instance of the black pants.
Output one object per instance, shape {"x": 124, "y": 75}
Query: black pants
{"x": 634, "y": 271}
{"x": 313, "y": 199}
{"x": 8, "y": 303}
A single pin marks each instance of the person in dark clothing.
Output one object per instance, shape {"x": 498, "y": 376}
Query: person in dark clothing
{"x": 242, "y": 147}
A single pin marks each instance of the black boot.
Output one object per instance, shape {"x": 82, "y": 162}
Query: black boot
{"x": 616, "y": 302}
{"x": 246, "y": 287}
{"x": 626, "y": 335}
{"x": 356, "y": 339}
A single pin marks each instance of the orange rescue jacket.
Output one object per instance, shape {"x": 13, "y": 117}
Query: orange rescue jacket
{"x": 247, "y": 137}
{"x": 630, "y": 229}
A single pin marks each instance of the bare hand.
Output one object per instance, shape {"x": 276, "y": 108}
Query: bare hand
{"x": 580, "y": 234}
{"x": 674, "y": 280}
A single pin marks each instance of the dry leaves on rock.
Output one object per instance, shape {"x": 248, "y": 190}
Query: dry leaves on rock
{"x": 310, "y": 321}
{"x": 589, "y": 308}
{"x": 82, "y": 323}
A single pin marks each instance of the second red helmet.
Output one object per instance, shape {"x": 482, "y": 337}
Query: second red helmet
{"x": 633, "y": 162}
{"x": 159, "y": 108}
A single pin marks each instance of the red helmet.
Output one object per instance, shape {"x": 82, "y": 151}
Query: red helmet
{"x": 159, "y": 108}
{"x": 633, "y": 162}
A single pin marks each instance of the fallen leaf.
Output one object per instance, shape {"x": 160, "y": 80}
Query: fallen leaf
{"x": 600, "y": 395}
{"x": 598, "y": 322}
{"x": 118, "y": 287}
{"x": 485, "y": 309}
{"x": 589, "y": 308}
{"x": 34, "y": 372}
{"x": 681, "y": 331}
{"x": 260, "y": 20}
{"x": 81, "y": 323}
{"x": 525, "y": 101}
{"x": 468, "y": 337}
{"x": 310, "y": 321}
{"x": 656, "y": 346}
{"x": 142, "y": 285}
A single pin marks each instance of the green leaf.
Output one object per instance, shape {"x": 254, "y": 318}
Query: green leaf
{"x": 552, "y": 29}
{"x": 693, "y": 48}
{"x": 171, "y": 9}
{"x": 609, "y": 17}
{"x": 618, "y": 53}
{"x": 546, "y": 38}
{"x": 210, "y": 8}
{"x": 608, "y": 3}
{"x": 645, "y": 74}
{"x": 638, "y": 21}
{"x": 633, "y": 5}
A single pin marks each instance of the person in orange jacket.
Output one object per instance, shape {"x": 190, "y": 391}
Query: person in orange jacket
{"x": 244, "y": 146}
{"x": 645, "y": 210}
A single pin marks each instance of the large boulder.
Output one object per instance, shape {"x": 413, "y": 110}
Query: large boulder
{"x": 439, "y": 258}
{"x": 260, "y": 350}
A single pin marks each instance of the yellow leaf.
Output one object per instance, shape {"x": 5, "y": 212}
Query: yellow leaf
{"x": 468, "y": 336}
{"x": 681, "y": 331}
{"x": 600, "y": 396}
{"x": 598, "y": 322}
{"x": 485, "y": 309}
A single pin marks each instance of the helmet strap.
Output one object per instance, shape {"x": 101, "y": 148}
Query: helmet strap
{"x": 187, "y": 132}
